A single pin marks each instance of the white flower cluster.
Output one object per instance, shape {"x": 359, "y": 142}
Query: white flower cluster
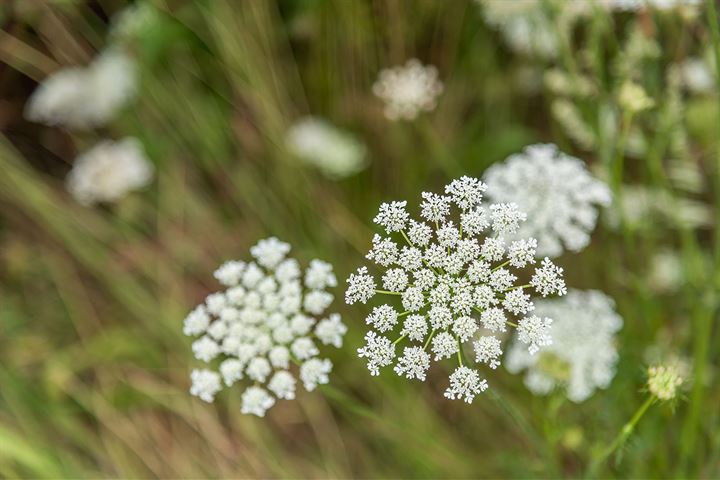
{"x": 558, "y": 193}
{"x": 85, "y": 97}
{"x": 583, "y": 354}
{"x": 453, "y": 280}
{"x": 523, "y": 25}
{"x": 335, "y": 153}
{"x": 408, "y": 90}
{"x": 132, "y": 21}
{"x": 108, "y": 171}
{"x": 635, "y": 5}
{"x": 263, "y": 322}
{"x": 664, "y": 381}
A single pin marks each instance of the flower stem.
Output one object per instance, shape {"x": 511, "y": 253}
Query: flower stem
{"x": 386, "y": 292}
{"x": 398, "y": 340}
{"x": 621, "y": 437}
{"x": 459, "y": 352}
{"x": 427, "y": 342}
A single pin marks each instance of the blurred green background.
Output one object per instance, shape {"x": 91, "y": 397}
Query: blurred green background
{"x": 94, "y": 369}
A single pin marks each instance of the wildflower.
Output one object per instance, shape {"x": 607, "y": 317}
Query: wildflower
{"x": 488, "y": 350}
{"x": 85, "y": 97}
{"x": 558, "y": 193}
{"x": 378, "y": 351}
{"x": 582, "y": 356}
{"x": 108, "y": 171}
{"x": 447, "y": 283}
{"x": 664, "y": 381}
{"x": 205, "y": 384}
{"x": 266, "y": 319}
{"x": 465, "y": 383}
{"x": 408, "y": 90}
{"x": 337, "y": 154}
{"x": 256, "y": 401}
{"x": 413, "y": 364}
{"x": 635, "y": 5}
{"x": 523, "y": 26}
{"x": 633, "y": 98}
{"x": 132, "y": 21}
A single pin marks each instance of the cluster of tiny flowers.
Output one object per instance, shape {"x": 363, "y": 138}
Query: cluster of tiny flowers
{"x": 583, "y": 353}
{"x": 335, "y": 153}
{"x": 452, "y": 278}
{"x": 557, "y": 192}
{"x": 408, "y": 90}
{"x": 663, "y": 381}
{"x": 266, "y": 320}
{"x": 108, "y": 171}
{"x": 523, "y": 25}
{"x": 635, "y": 5}
{"x": 85, "y": 97}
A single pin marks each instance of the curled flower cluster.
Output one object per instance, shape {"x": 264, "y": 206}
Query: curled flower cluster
{"x": 453, "y": 281}
{"x": 663, "y": 381}
{"x": 583, "y": 354}
{"x": 108, "y": 171}
{"x": 558, "y": 193}
{"x": 85, "y": 97}
{"x": 408, "y": 90}
{"x": 265, "y": 321}
{"x": 335, "y": 153}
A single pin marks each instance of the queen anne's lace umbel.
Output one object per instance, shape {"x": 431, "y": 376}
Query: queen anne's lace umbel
{"x": 582, "y": 355}
{"x": 408, "y": 90}
{"x": 453, "y": 280}
{"x": 263, "y": 323}
{"x": 557, "y": 192}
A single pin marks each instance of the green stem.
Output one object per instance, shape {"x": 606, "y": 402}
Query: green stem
{"x": 621, "y": 437}
{"x": 427, "y": 342}
{"x": 386, "y": 292}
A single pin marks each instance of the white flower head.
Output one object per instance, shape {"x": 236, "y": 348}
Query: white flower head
{"x": 85, "y": 97}
{"x": 583, "y": 354}
{"x": 465, "y": 383}
{"x": 108, "y": 171}
{"x": 205, "y": 384}
{"x": 663, "y": 381}
{"x": 256, "y": 401}
{"x": 408, "y": 90}
{"x": 315, "y": 372}
{"x": 557, "y": 192}
{"x": 337, "y": 154}
{"x": 449, "y": 281}
{"x": 413, "y": 363}
{"x": 378, "y": 351}
{"x": 392, "y": 216}
{"x": 266, "y": 322}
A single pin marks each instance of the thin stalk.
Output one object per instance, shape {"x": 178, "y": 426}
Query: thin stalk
{"x": 621, "y": 437}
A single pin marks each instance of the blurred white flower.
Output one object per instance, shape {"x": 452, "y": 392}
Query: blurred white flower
{"x": 634, "y": 5}
{"x": 666, "y": 272}
{"x": 523, "y": 25}
{"x": 205, "y": 384}
{"x": 108, "y": 171}
{"x": 337, "y": 154}
{"x": 408, "y": 90}
{"x": 451, "y": 278}
{"x": 558, "y": 193}
{"x": 86, "y": 97}
{"x": 261, "y": 324}
{"x": 583, "y": 354}
{"x": 132, "y": 21}
{"x": 696, "y": 75}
